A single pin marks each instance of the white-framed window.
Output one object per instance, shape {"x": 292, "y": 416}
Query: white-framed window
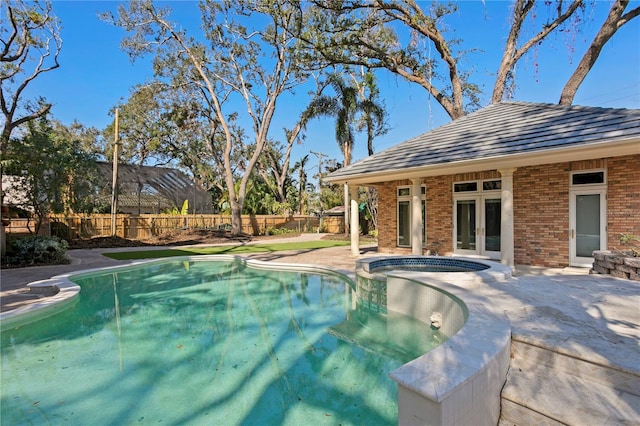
{"x": 583, "y": 178}
{"x": 404, "y": 212}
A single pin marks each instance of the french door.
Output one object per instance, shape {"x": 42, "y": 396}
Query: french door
{"x": 477, "y": 225}
{"x": 587, "y": 225}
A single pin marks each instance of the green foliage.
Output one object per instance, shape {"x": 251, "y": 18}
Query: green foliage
{"x": 343, "y": 106}
{"x": 279, "y": 231}
{"x": 36, "y": 250}
{"x": 246, "y": 54}
{"x": 175, "y": 211}
{"x": 633, "y": 243}
{"x": 332, "y": 196}
{"x": 50, "y": 169}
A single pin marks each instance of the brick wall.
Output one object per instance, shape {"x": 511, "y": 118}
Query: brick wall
{"x": 541, "y": 208}
{"x": 623, "y": 199}
{"x": 387, "y": 217}
{"x": 439, "y": 197}
{"x": 541, "y": 215}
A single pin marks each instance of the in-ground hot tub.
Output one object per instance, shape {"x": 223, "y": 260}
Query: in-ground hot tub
{"x": 466, "y": 271}
{"x": 371, "y": 274}
{"x": 458, "y": 382}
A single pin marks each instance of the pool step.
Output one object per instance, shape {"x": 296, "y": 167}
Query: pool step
{"x": 545, "y": 387}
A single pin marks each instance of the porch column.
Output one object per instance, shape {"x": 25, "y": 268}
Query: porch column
{"x": 347, "y": 217}
{"x": 354, "y": 225}
{"x": 506, "y": 219}
{"x": 416, "y": 216}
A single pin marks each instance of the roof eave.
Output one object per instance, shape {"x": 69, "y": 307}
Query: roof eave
{"x": 602, "y": 149}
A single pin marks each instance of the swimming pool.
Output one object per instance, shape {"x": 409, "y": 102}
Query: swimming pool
{"x": 193, "y": 341}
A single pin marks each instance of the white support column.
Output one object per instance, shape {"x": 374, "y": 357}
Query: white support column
{"x": 347, "y": 217}
{"x": 506, "y": 220}
{"x": 355, "y": 222}
{"x": 416, "y": 216}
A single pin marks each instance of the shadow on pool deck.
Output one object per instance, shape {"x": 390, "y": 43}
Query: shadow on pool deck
{"x": 594, "y": 317}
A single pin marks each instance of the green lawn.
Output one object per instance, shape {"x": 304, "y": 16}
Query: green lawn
{"x": 236, "y": 249}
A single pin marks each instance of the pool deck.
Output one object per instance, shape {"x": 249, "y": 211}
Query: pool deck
{"x": 593, "y": 317}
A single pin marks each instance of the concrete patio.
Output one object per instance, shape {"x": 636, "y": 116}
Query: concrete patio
{"x": 563, "y": 322}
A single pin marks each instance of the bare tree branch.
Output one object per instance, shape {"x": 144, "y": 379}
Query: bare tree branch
{"x": 615, "y": 20}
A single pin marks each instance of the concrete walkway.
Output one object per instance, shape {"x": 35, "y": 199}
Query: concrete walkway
{"x": 592, "y": 317}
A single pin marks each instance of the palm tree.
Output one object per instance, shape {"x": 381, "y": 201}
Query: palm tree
{"x": 351, "y": 98}
{"x": 344, "y": 106}
{"x": 373, "y": 117}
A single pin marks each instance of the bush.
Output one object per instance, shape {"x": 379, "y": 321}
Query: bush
{"x": 36, "y": 250}
{"x": 632, "y": 243}
{"x": 279, "y": 231}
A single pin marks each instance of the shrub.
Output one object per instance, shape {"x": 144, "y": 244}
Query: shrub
{"x": 36, "y": 250}
{"x": 279, "y": 231}
{"x": 632, "y": 242}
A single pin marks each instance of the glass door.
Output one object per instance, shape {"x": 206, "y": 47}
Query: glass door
{"x": 466, "y": 225}
{"x": 477, "y": 226}
{"x": 490, "y": 230}
{"x": 404, "y": 223}
{"x": 587, "y": 225}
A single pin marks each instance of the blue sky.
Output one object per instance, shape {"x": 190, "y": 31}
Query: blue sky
{"x": 95, "y": 74}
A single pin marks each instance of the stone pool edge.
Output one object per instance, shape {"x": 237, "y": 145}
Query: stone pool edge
{"x": 459, "y": 381}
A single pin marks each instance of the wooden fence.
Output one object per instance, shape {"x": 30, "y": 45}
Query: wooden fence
{"x": 140, "y": 227}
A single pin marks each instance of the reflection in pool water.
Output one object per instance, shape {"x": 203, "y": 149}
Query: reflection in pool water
{"x": 207, "y": 342}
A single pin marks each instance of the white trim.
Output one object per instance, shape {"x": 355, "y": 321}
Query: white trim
{"x": 601, "y": 190}
{"x": 479, "y": 196}
{"x": 588, "y": 185}
{"x": 586, "y": 189}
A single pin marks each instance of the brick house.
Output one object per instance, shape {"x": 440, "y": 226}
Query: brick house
{"x": 526, "y": 183}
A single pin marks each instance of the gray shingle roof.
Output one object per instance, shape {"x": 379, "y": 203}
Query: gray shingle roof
{"x": 502, "y": 130}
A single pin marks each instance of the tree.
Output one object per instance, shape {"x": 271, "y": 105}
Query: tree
{"x": 273, "y": 167}
{"x": 343, "y": 106}
{"x": 29, "y": 47}
{"x": 237, "y": 65}
{"x": 50, "y": 170}
{"x": 395, "y": 34}
{"x": 373, "y": 117}
{"x": 277, "y": 158}
{"x": 614, "y": 21}
{"x": 302, "y": 184}
{"x": 366, "y": 33}
{"x": 354, "y": 104}
{"x": 514, "y": 50}
{"x": 141, "y": 127}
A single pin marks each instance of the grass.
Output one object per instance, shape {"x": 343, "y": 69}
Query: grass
{"x": 229, "y": 249}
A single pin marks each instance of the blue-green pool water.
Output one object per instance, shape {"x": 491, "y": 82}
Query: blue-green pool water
{"x": 208, "y": 342}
